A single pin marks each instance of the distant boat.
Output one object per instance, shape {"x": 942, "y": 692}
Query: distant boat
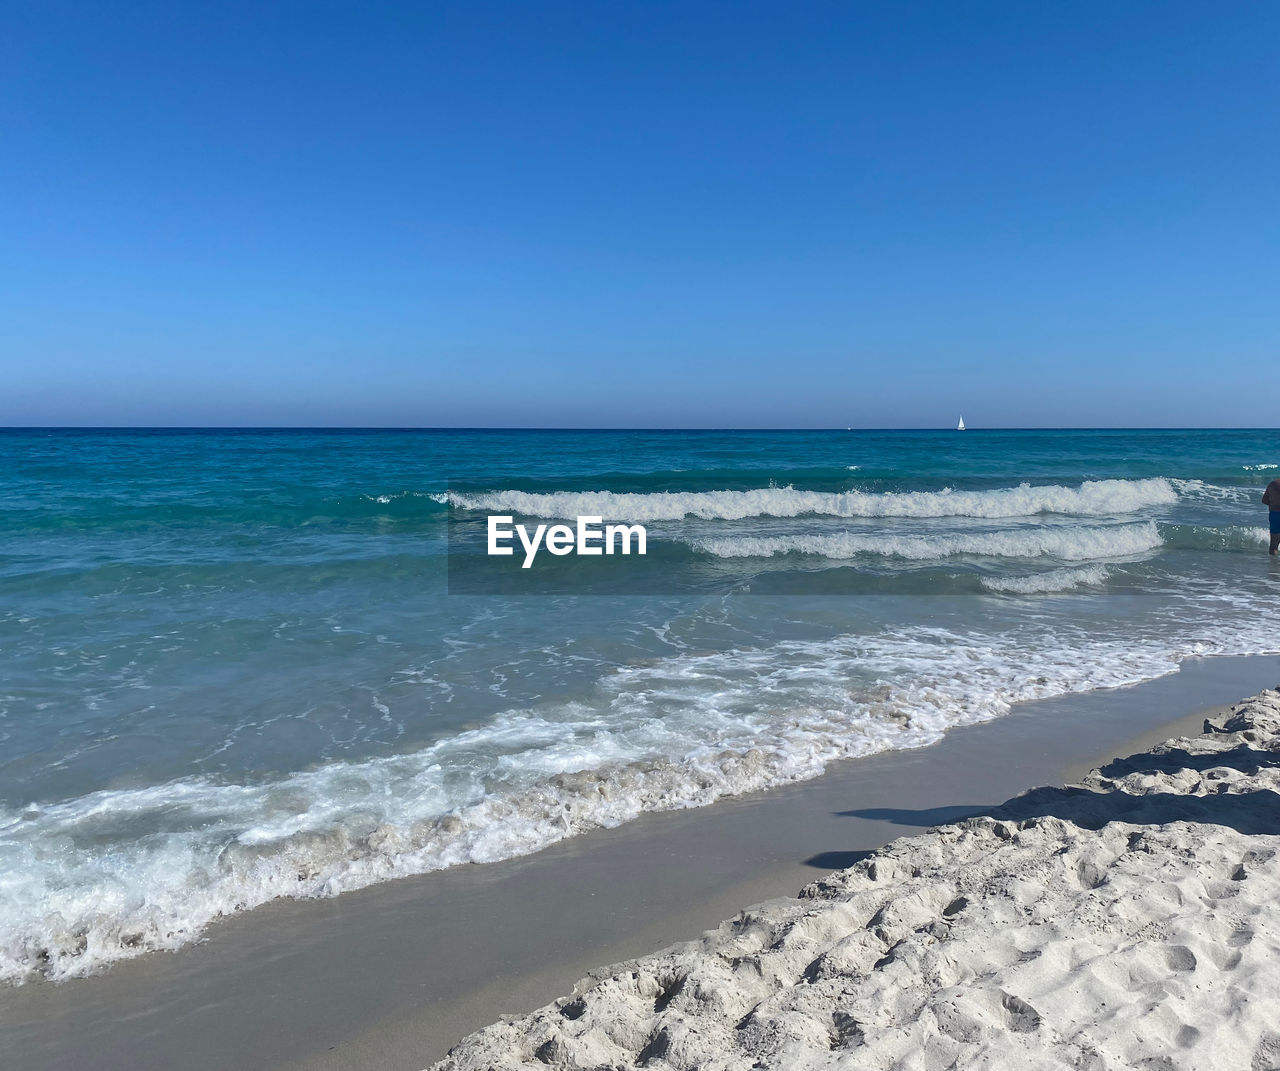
{"x": 960, "y": 426}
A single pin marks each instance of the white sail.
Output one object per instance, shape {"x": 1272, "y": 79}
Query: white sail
{"x": 960, "y": 426}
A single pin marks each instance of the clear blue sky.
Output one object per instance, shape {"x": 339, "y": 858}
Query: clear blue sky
{"x": 640, "y": 214}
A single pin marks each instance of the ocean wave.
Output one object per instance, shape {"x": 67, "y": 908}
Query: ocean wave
{"x": 440, "y": 498}
{"x": 1221, "y": 538}
{"x": 1259, "y": 468}
{"x": 1050, "y": 581}
{"x": 1211, "y": 492}
{"x": 1066, "y": 543}
{"x": 119, "y": 873}
{"x": 1091, "y": 498}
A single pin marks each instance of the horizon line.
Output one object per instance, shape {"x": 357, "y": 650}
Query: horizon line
{"x": 605, "y": 429}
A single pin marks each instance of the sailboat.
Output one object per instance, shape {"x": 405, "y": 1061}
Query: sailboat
{"x": 960, "y": 426}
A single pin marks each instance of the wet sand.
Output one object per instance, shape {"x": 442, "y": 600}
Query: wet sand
{"x": 391, "y": 977}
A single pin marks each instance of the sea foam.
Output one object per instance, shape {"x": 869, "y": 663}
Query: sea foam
{"x": 1091, "y": 498}
{"x": 1052, "y": 580}
{"x": 1065, "y": 543}
{"x": 117, "y": 873}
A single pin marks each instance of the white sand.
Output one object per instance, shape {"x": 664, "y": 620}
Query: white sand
{"x": 1131, "y": 922}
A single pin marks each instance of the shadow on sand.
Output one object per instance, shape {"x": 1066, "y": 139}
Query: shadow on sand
{"x": 1252, "y": 812}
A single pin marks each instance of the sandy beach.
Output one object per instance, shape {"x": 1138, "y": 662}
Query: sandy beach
{"x": 620, "y": 536}
{"x": 1127, "y": 921}
{"x": 393, "y": 976}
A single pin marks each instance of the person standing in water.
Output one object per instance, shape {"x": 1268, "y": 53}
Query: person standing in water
{"x": 1271, "y": 496}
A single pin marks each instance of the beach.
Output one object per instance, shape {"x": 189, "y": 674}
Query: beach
{"x": 277, "y": 792}
{"x": 581, "y": 537}
{"x": 617, "y": 536}
{"x": 1127, "y": 921}
{"x": 394, "y": 976}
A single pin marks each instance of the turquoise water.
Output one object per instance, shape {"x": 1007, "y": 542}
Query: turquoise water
{"x": 232, "y": 670}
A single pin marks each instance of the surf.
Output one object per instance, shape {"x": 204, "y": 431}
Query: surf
{"x": 1090, "y": 498}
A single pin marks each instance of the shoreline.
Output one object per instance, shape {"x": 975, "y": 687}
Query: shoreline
{"x": 1125, "y": 921}
{"x": 395, "y": 975}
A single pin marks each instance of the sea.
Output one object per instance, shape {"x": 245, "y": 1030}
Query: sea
{"x": 233, "y": 666}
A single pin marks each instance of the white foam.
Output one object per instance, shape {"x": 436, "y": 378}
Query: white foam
{"x": 386, "y": 499}
{"x": 1050, "y": 581}
{"x": 1198, "y": 489}
{"x": 117, "y": 873}
{"x": 1092, "y": 498}
{"x": 1259, "y": 468}
{"x": 1065, "y": 543}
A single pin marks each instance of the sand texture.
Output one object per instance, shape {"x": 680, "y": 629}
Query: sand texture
{"x": 1132, "y": 921}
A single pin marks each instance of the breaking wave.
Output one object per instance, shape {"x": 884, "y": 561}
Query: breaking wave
{"x": 1211, "y": 492}
{"x": 115, "y": 874}
{"x": 1050, "y": 581}
{"x": 1066, "y": 543}
{"x": 1091, "y": 498}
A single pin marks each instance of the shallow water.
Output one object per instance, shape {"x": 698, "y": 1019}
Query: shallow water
{"x": 232, "y": 670}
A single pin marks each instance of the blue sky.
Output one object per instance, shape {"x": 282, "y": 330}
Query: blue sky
{"x": 639, "y": 214}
